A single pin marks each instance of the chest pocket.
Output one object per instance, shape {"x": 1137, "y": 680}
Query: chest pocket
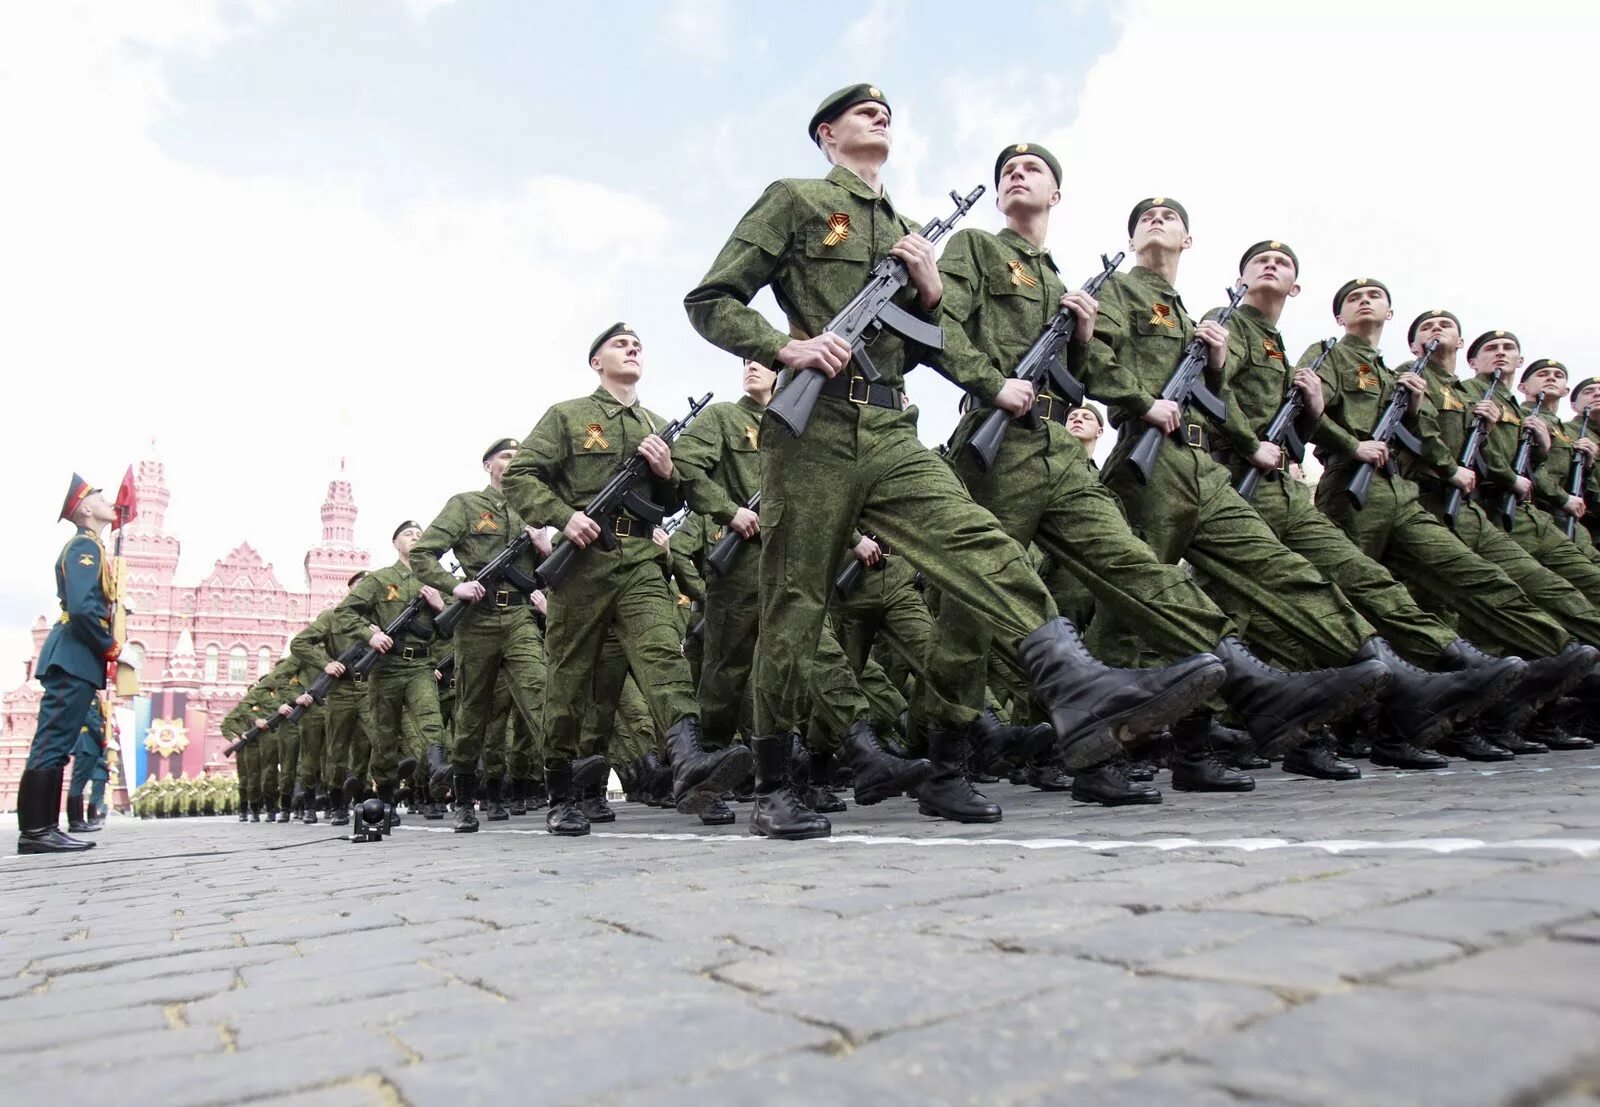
{"x": 1157, "y": 335}
{"x": 1011, "y": 286}
{"x": 839, "y": 236}
{"x": 596, "y": 451}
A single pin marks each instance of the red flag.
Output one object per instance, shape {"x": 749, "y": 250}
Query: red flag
{"x": 127, "y": 501}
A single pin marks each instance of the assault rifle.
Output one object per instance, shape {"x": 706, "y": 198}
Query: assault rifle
{"x": 1041, "y": 365}
{"x": 399, "y": 627}
{"x": 1389, "y": 429}
{"x": 498, "y": 566}
{"x": 851, "y": 576}
{"x": 1471, "y": 452}
{"x": 1186, "y": 386}
{"x": 720, "y": 559}
{"x": 618, "y": 495}
{"x": 324, "y": 683}
{"x": 860, "y": 321}
{"x": 1282, "y": 432}
{"x": 446, "y": 668}
{"x": 254, "y": 732}
{"x": 1577, "y": 477}
{"x": 1521, "y": 465}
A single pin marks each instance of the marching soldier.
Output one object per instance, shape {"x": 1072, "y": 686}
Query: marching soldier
{"x": 814, "y": 242}
{"x": 72, "y": 667}
{"x": 345, "y": 708}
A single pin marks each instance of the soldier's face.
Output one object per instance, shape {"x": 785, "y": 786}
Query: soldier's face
{"x": 1160, "y": 226}
{"x": 96, "y": 511}
{"x": 1083, "y": 426}
{"x": 1026, "y": 185}
{"x": 1441, "y": 328}
{"x": 861, "y": 130}
{"x": 758, "y": 379}
{"x": 496, "y": 465}
{"x": 620, "y": 358}
{"x": 1272, "y": 269}
{"x": 1587, "y": 397}
{"x": 1549, "y": 380}
{"x": 1366, "y": 304}
{"x": 1497, "y": 353}
{"x": 405, "y": 540}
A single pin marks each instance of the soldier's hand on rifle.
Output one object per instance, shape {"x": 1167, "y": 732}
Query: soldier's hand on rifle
{"x": 1310, "y": 386}
{"x": 1576, "y": 507}
{"x": 581, "y": 530}
{"x": 1587, "y": 447}
{"x": 430, "y": 596}
{"x": 1488, "y": 409}
{"x": 868, "y": 552}
{"x": 1015, "y": 398}
{"x": 1539, "y": 430}
{"x": 469, "y": 591}
{"x": 827, "y": 353}
{"x": 261, "y": 724}
{"x": 1085, "y": 309}
{"x": 334, "y": 669}
{"x": 285, "y": 709}
{"x": 1414, "y": 384}
{"x": 304, "y": 699}
{"x": 923, "y": 265}
{"x": 540, "y": 602}
{"x": 1373, "y": 453}
{"x": 1267, "y": 457}
{"x": 540, "y": 539}
{"x": 745, "y": 523}
{"x": 1164, "y": 415}
{"x": 661, "y": 538}
{"x": 1215, "y": 336}
{"x": 1464, "y": 479}
{"x": 654, "y": 449}
{"x": 1522, "y": 488}
{"x": 380, "y": 642}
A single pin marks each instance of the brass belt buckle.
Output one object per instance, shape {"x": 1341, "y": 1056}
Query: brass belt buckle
{"x": 866, "y": 391}
{"x": 502, "y": 598}
{"x": 1196, "y": 435}
{"x": 1283, "y": 460}
{"x": 1043, "y": 406}
{"x": 408, "y": 653}
{"x": 623, "y": 527}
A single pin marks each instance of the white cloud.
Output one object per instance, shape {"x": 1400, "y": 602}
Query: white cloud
{"x": 699, "y": 28}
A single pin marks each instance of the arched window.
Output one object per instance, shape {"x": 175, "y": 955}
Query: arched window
{"x": 211, "y": 664}
{"x": 263, "y": 661}
{"x": 238, "y": 665}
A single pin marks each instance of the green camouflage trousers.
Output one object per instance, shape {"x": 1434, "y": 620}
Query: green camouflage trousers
{"x": 491, "y": 640}
{"x": 400, "y": 688}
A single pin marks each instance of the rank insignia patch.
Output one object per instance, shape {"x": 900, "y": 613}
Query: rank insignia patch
{"x": 86, "y": 559}
{"x": 838, "y": 229}
{"x": 1020, "y": 277}
{"x": 596, "y": 437}
{"x": 1162, "y": 317}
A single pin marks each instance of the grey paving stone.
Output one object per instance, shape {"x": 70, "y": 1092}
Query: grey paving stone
{"x": 1456, "y": 918}
{"x": 1557, "y": 972}
{"x": 1306, "y": 960}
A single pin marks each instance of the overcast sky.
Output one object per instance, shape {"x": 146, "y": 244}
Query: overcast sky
{"x": 269, "y": 235}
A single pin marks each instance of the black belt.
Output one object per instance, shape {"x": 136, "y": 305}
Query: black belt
{"x": 505, "y": 597}
{"x": 626, "y": 526}
{"x": 1045, "y": 407}
{"x": 858, "y": 390}
{"x": 414, "y": 653}
{"x": 1191, "y": 434}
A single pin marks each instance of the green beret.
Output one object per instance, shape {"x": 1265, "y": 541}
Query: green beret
{"x": 498, "y": 445}
{"x": 608, "y": 334}
{"x": 1156, "y": 202}
{"x": 1350, "y": 286}
{"x": 840, "y": 102}
{"x": 1092, "y": 410}
{"x": 1542, "y": 363}
{"x": 1435, "y": 313}
{"x": 407, "y": 525}
{"x": 1263, "y": 247}
{"x": 1489, "y": 336}
{"x": 1017, "y": 149}
{"x": 1580, "y": 386}
{"x": 355, "y": 578}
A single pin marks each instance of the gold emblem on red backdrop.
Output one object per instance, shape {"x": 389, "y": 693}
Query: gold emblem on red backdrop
{"x": 838, "y": 229}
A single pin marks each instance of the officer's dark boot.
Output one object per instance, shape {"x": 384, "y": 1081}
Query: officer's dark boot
{"x": 815, "y": 790}
{"x": 1424, "y": 706}
{"x": 1499, "y": 676}
{"x": 1235, "y": 748}
{"x": 463, "y": 785}
{"x": 97, "y": 815}
{"x": 1096, "y": 709}
{"x": 1549, "y": 678}
{"x": 338, "y": 810}
{"x": 1508, "y": 735}
{"x": 1196, "y": 767}
{"x": 76, "y": 823}
{"x": 657, "y": 781}
{"x": 592, "y": 796}
{"x": 1110, "y": 785}
{"x": 778, "y": 810}
{"x": 947, "y": 793}
{"x": 1390, "y": 748}
{"x": 993, "y": 740}
{"x": 1466, "y": 743}
{"x": 1282, "y": 709}
{"x": 39, "y": 814}
{"x": 494, "y": 807}
{"x": 699, "y": 775}
{"x": 876, "y": 772}
{"x": 1320, "y": 758}
{"x": 1544, "y": 729}
{"x": 1571, "y": 718}
{"x": 1045, "y": 775}
{"x": 564, "y": 817}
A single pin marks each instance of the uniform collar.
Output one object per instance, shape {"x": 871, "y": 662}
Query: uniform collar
{"x": 749, "y": 405}
{"x": 1360, "y": 348}
{"x": 1155, "y": 283}
{"x": 609, "y": 404}
{"x": 1021, "y": 245}
{"x": 854, "y": 185}
{"x": 495, "y": 494}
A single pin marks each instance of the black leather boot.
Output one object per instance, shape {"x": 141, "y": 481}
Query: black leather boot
{"x": 993, "y": 741}
{"x": 39, "y": 814}
{"x": 1466, "y": 743}
{"x": 311, "y": 806}
{"x": 656, "y": 780}
{"x": 1282, "y": 709}
{"x": 564, "y": 819}
{"x": 1110, "y": 785}
{"x": 1354, "y": 734}
{"x": 779, "y": 812}
{"x": 462, "y": 786}
{"x": 1549, "y": 678}
{"x": 517, "y": 801}
{"x": 338, "y": 808}
{"x": 1195, "y": 765}
{"x": 1320, "y": 758}
{"x": 1235, "y": 748}
{"x": 1390, "y": 748}
{"x": 947, "y": 793}
{"x": 287, "y": 804}
{"x": 76, "y": 823}
{"x": 1421, "y": 706}
{"x": 494, "y": 807}
{"x": 97, "y": 815}
{"x": 718, "y": 814}
{"x": 1096, "y": 709}
{"x": 1047, "y": 776}
{"x": 437, "y": 762}
{"x": 699, "y": 775}
{"x": 1545, "y": 730}
{"x": 819, "y": 773}
{"x": 877, "y": 773}
{"x": 592, "y": 796}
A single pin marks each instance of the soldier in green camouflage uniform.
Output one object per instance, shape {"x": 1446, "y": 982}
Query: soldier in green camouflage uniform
{"x": 497, "y": 633}
{"x": 564, "y": 461}
{"x": 345, "y": 708}
{"x": 401, "y": 684}
{"x": 1419, "y": 710}
{"x": 1400, "y": 523}
{"x": 815, "y": 243}
{"x": 237, "y": 723}
{"x": 1568, "y": 437}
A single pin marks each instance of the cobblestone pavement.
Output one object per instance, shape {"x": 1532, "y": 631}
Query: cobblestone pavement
{"x": 1403, "y": 939}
